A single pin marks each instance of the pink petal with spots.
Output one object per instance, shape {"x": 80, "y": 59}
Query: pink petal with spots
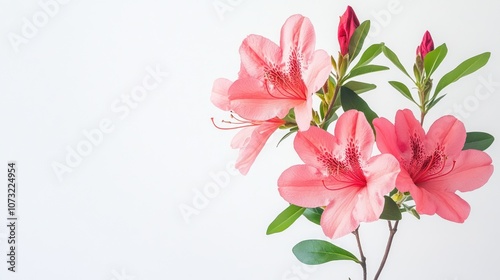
{"x": 407, "y": 126}
{"x": 471, "y": 171}
{"x": 257, "y": 53}
{"x": 448, "y": 132}
{"x": 314, "y": 143}
{"x": 297, "y": 34}
{"x": 353, "y": 125}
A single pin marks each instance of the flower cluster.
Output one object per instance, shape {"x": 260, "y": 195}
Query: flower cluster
{"x": 341, "y": 182}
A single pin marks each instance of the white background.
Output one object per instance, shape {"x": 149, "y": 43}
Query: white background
{"x": 117, "y": 215}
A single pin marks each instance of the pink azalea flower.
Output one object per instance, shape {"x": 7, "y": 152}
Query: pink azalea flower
{"x": 347, "y": 25}
{"x": 253, "y": 134}
{"x": 273, "y": 79}
{"x": 426, "y": 45}
{"x": 340, "y": 173}
{"x": 433, "y": 165}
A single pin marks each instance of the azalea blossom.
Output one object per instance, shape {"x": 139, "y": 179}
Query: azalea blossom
{"x": 433, "y": 165}
{"x": 426, "y": 45}
{"x": 273, "y": 79}
{"x": 340, "y": 174}
{"x": 253, "y": 134}
{"x": 347, "y": 25}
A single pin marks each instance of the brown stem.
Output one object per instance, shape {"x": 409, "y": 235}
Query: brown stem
{"x": 392, "y": 232}
{"x": 362, "y": 255}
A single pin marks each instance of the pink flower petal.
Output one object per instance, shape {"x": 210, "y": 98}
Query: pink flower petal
{"x": 318, "y": 71}
{"x": 242, "y": 138}
{"x": 472, "y": 170}
{"x": 297, "y": 34}
{"x": 257, "y": 53}
{"x": 352, "y": 125}
{"x": 451, "y": 207}
{"x": 425, "y": 202}
{"x": 404, "y": 182}
{"x": 313, "y": 142}
{"x": 250, "y": 141}
{"x": 407, "y": 126}
{"x": 250, "y": 100}
{"x": 386, "y": 136}
{"x": 303, "y": 114}
{"x": 447, "y": 132}
{"x": 338, "y": 218}
{"x": 304, "y": 185}
{"x": 381, "y": 172}
{"x": 447, "y": 205}
{"x": 219, "y": 96}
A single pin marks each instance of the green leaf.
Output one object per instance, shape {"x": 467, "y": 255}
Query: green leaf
{"x": 285, "y": 219}
{"x": 320, "y": 251}
{"x": 350, "y": 100}
{"x": 290, "y": 117}
{"x": 414, "y": 212}
{"x": 365, "y": 69}
{"x": 391, "y": 210}
{"x": 359, "y": 87}
{"x": 358, "y": 38}
{"x": 465, "y": 68}
{"x": 434, "y": 102}
{"x": 369, "y": 54}
{"x": 411, "y": 210}
{"x": 331, "y": 119}
{"x": 395, "y": 60}
{"x": 434, "y": 58}
{"x": 292, "y": 131}
{"x": 403, "y": 89}
{"x": 313, "y": 214}
{"x": 478, "y": 141}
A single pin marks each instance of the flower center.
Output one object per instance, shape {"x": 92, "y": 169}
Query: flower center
{"x": 286, "y": 83}
{"x": 423, "y": 167}
{"x": 346, "y": 169}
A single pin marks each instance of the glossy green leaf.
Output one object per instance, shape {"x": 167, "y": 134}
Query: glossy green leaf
{"x": 369, "y": 54}
{"x": 365, "y": 69}
{"x": 358, "y": 38}
{"x": 391, "y": 210}
{"x": 434, "y": 58}
{"x": 320, "y": 251}
{"x": 415, "y": 214}
{"x": 333, "y": 117}
{"x": 350, "y": 100}
{"x": 478, "y": 141}
{"x": 403, "y": 89}
{"x": 290, "y": 117}
{"x": 395, "y": 60}
{"x": 465, "y": 68}
{"x": 359, "y": 87}
{"x": 433, "y": 102}
{"x": 285, "y": 219}
{"x": 313, "y": 214}
{"x": 292, "y": 131}
{"x": 411, "y": 210}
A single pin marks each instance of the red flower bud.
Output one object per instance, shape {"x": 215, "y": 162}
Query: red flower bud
{"x": 348, "y": 23}
{"x": 426, "y": 46}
